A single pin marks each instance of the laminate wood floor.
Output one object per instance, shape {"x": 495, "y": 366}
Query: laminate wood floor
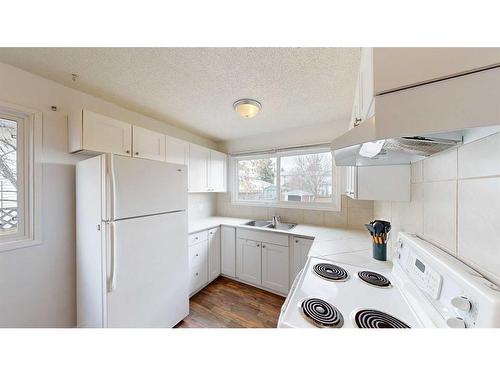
{"x": 229, "y": 304}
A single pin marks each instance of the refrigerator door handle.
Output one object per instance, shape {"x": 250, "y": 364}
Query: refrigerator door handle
{"x": 112, "y": 186}
{"x": 112, "y": 241}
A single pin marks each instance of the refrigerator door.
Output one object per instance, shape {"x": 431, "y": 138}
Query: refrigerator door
{"x": 149, "y": 268}
{"x": 138, "y": 187}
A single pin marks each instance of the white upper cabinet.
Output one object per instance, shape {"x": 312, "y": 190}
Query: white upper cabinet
{"x": 363, "y": 106}
{"x": 217, "y": 171}
{"x": 379, "y": 183}
{"x": 92, "y": 133}
{"x": 148, "y": 144}
{"x": 396, "y": 68}
{"x": 95, "y": 133}
{"x": 199, "y": 160}
{"x": 176, "y": 150}
{"x": 207, "y": 170}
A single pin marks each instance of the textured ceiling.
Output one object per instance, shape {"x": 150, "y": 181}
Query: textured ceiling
{"x": 194, "y": 88}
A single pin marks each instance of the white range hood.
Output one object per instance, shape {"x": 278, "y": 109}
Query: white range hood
{"x": 446, "y": 112}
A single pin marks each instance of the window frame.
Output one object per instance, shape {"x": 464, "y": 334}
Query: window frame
{"x": 334, "y": 205}
{"x": 29, "y": 141}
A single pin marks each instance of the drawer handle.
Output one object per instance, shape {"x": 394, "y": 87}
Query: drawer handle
{"x": 196, "y": 238}
{"x": 258, "y": 245}
{"x": 263, "y": 246}
{"x": 296, "y": 241}
{"x": 196, "y": 273}
{"x": 196, "y": 254}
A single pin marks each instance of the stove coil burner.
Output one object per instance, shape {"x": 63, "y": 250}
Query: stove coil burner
{"x": 321, "y": 313}
{"x": 330, "y": 272}
{"x": 377, "y": 319}
{"x": 374, "y": 278}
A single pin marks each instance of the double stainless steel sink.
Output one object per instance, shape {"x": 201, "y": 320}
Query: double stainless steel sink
{"x": 270, "y": 225}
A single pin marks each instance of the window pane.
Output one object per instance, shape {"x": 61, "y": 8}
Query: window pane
{"x": 257, "y": 179}
{"x": 307, "y": 178}
{"x": 8, "y": 176}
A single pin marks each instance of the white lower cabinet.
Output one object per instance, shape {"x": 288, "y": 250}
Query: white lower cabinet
{"x": 262, "y": 259}
{"x": 275, "y": 261}
{"x": 197, "y": 277}
{"x": 228, "y": 251}
{"x": 248, "y": 261}
{"x": 213, "y": 253}
{"x": 300, "y": 251}
{"x": 204, "y": 258}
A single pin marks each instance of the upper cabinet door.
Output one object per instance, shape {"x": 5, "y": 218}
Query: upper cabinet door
{"x": 396, "y": 68}
{"x": 148, "y": 144}
{"x": 217, "y": 177}
{"x": 199, "y": 159}
{"x": 105, "y": 134}
{"x": 176, "y": 150}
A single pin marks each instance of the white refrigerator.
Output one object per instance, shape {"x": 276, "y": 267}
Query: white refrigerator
{"x": 132, "y": 256}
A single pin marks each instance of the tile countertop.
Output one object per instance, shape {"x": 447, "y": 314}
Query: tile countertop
{"x": 342, "y": 245}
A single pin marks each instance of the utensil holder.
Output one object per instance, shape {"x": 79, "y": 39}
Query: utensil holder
{"x": 380, "y": 251}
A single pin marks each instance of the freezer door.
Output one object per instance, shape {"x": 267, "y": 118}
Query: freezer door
{"x": 139, "y": 187}
{"x": 149, "y": 268}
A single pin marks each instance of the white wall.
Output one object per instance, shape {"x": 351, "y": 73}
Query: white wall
{"x": 455, "y": 204}
{"x": 37, "y": 284}
{"x": 201, "y": 205}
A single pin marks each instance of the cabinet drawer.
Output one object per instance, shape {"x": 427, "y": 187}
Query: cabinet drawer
{"x": 263, "y": 236}
{"x": 197, "y": 237}
{"x": 198, "y": 276}
{"x": 198, "y": 253}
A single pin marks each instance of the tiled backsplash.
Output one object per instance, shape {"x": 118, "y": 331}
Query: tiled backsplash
{"x": 201, "y": 205}
{"x": 455, "y": 204}
{"x": 353, "y": 214}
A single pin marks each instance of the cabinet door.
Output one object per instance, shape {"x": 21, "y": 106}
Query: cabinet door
{"x": 248, "y": 261}
{"x": 199, "y": 158}
{"x": 228, "y": 251}
{"x": 176, "y": 150}
{"x": 275, "y": 267}
{"x": 213, "y": 253}
{"x": 105, "y": 134}
{"x": 148, "y": 144}
{"x": 217, "y": 176}
{"x": 355, "y": 117}
{"x": 351, "y": 182}
{"x": 300, "y": 251}
{"x": 366, "y": 84}
{"x": 197, "y": 277}
{"x": 372, "y": 183}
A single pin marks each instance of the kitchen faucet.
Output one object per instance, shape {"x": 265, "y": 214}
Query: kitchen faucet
{"x": 276, "y": 220}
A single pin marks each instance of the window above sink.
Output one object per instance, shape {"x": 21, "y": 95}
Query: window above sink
{"x": 302, "y": 178}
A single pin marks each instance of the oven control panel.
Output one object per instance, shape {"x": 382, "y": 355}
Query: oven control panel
{"x": 423, "y": 275}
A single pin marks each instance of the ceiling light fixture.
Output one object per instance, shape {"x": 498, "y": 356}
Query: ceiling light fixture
{"x": 247, "y": 108}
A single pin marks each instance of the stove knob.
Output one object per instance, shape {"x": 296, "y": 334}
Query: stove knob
{"x": 455, "y": 323}
{"x": 461, "y": 303}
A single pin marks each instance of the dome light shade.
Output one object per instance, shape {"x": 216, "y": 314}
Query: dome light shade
{"x": 247, "y": 108}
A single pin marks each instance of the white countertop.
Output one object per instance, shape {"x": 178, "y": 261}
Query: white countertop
{"x": 342, "y": 245}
